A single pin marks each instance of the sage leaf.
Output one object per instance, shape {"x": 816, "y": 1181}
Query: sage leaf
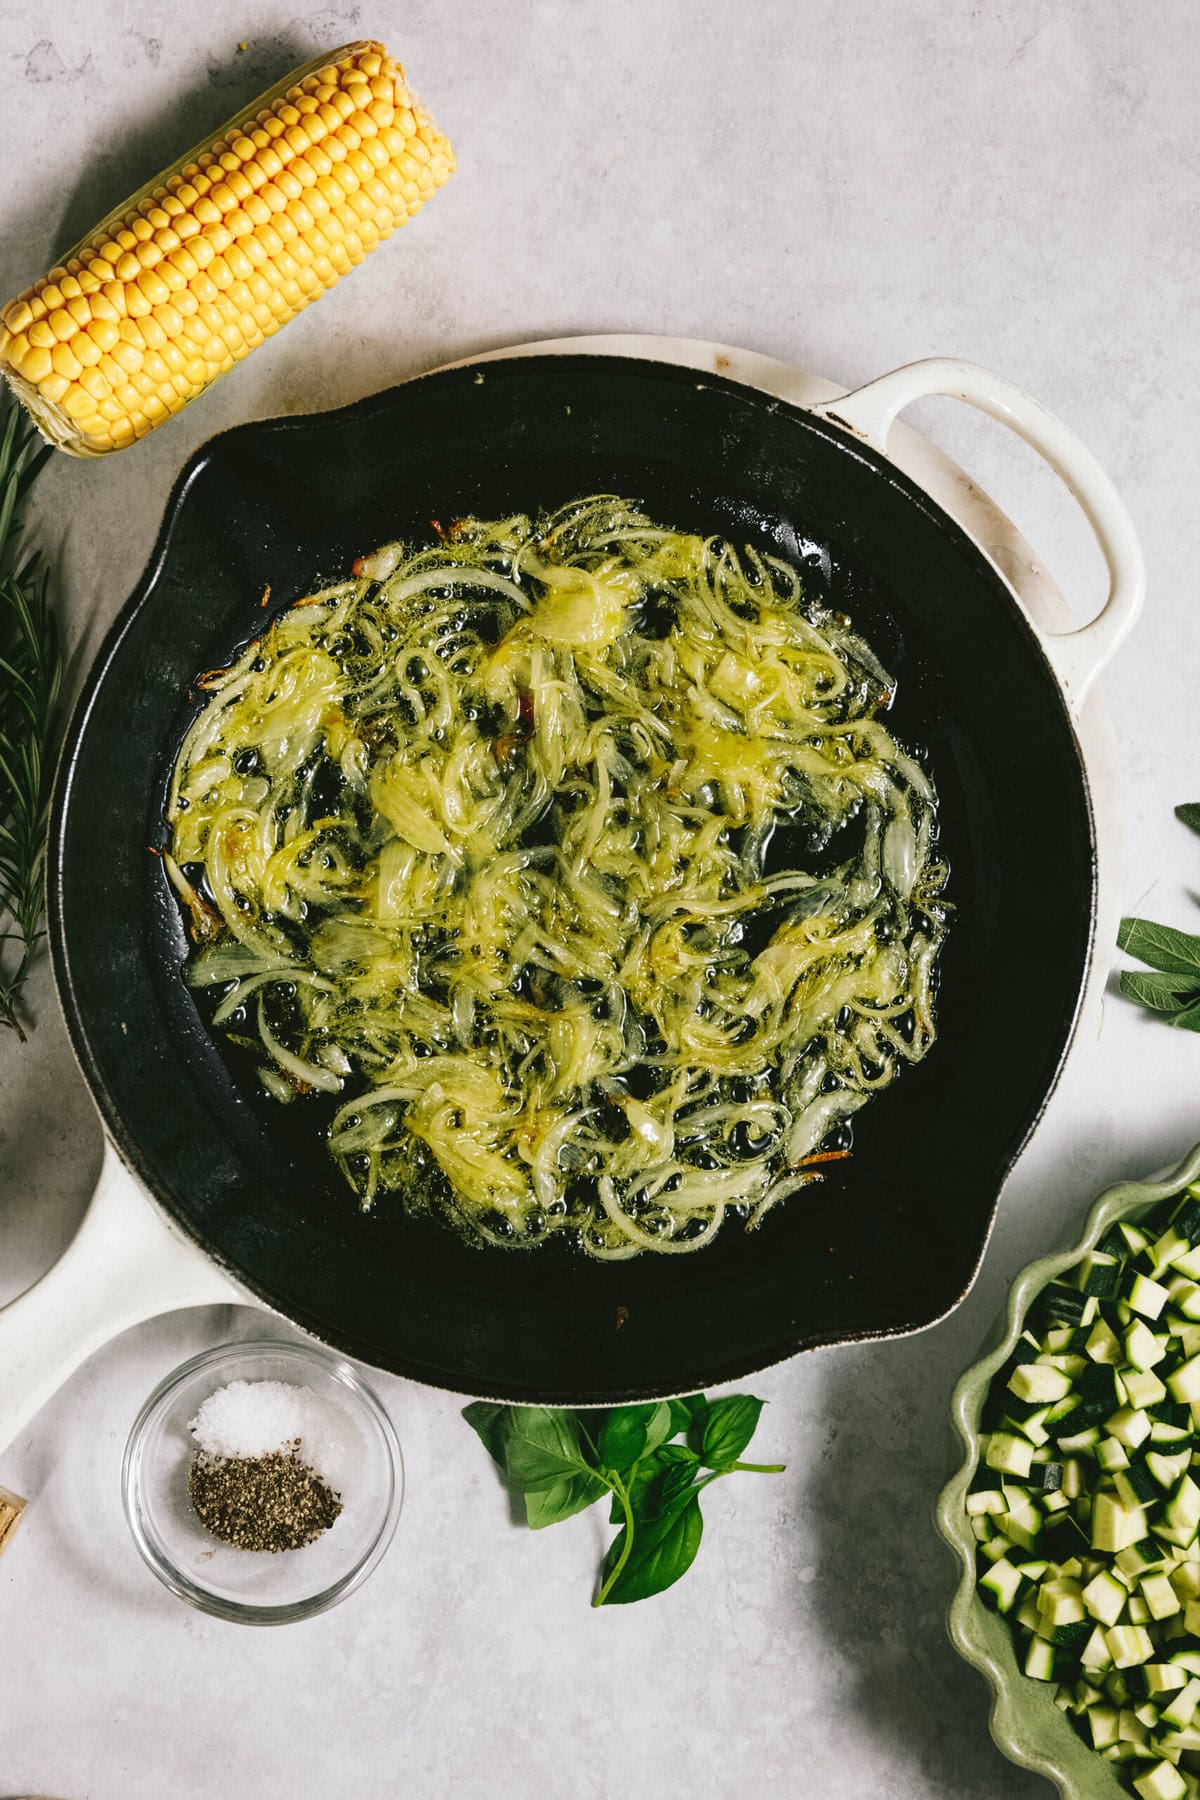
{"x": 1175, "y": 952}
{"x": 663, "y": 1550}
{"x": 631, "y": 1432}
{"x": 1188, "y": 1019}
{"x": 730, "y": 1425}
{"x": 1189, "y": 812}
{"x": 1162, "y": 993}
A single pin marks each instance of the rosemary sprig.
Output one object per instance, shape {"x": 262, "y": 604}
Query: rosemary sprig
{"x": 30, "y": 682}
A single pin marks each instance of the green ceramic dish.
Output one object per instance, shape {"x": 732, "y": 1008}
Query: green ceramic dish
{"x": 1025, "y": 1722}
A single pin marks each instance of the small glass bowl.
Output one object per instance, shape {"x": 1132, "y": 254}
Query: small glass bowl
{"x": 259, "y": 1587}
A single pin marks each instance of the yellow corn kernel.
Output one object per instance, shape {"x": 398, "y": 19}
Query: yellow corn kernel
{"x": 182, "y": 281}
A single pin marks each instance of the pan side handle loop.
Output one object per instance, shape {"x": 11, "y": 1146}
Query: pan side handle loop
{"x": 123, "y": 1265}
{"x": 1076, "y": 656}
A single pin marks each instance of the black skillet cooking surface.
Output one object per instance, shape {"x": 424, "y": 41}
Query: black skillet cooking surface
{"x": 892, "y": 1240}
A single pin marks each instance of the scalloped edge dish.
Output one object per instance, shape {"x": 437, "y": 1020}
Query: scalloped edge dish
{"x": 1024, "y": 1721}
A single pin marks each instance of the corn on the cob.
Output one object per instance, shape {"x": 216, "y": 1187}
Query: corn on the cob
{"x": 188, "y": 276}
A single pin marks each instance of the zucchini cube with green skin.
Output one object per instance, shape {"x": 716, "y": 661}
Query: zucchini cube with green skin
{"x": 1105, "y": 1597}
{"x": 1061, "y": 1601}
{"x": 1131, "y": 1729}
{"x": 1137, "y": 1485}
{"x": 1191, "y": 1616}
{"x": 1143, "y": 1388}
{"x": 1163, "y": 1782}
{"x": 1137, "y": 1612}
{"x": 1184, "y": 1382}
{"x": 1185, "y": 1297}
{"x": 1095, "y": 1655}
{"x": 1161, "y": 1599}
{"x": 1129, "y": 1644}
{"x": 1099, "y": 1275}
{"x": 1188, "y": 1265}
{"x": 1039, "y": 1382}
{"x": 1167, "y": 1469}
{"x": 1182, "y": 1510}
{"x": 986, "y": 1500}
{"x": 1165, "y": 1678}
{"x": 1146, "y": 1296}
{"x": 1039, "y": 1660}
{"x": 1102, "y": 1343}
{"x": 1112, "y": 1455}
{"x": 1104, "y": 1722}
{"x": 1130, "y": 1426}
{"x": 1143, "y": 1348}
{"x": 1004, "y": 1583}
{"x": 1008, "y": 1454}
{"x": 1137, "y": 1558}
{"x": 1022, "y": 1525}
{"x": 1180, "y": 1708}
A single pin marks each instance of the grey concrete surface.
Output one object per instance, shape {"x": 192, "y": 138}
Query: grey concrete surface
{"x": 848, "y": 186}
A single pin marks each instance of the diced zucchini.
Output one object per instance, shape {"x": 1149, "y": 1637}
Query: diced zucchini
{"x": 1131, "y": 1729}
{"x": 1146, "y": 1296}
{"x": 1137, "y": 1612}
{"x": 1163, "y": 1782}
{"x": 1129, "y": 1644}
{"x": 1021, "y": 1525}
{"x": 1105, "y": 1597}
{"x": 1039, "y": 1660}
{"x": 1139, "y": 1557}
{"x": 1061, "y": 1602}
{"x": 1116, "y": 1526}
{"x": 1102, "y": 1343}
{"x": 1143, "y": 1347}
{"x": 1189, "y": 1265}
{"x": 1160, "y": 1597}
{"x": 1167, "y": 1469}
{"x": 1165, "y": 1678}
{"x": 1137, "y": 1485}
{"x": 1185, "y": 1297}
{"x": 1143, "y": 1388}
{"x": 1180, "y": 1707}
{"x": 1131, "y": 1426}
{"x": 1182, "y": 1510}
{"x": 1112, "y": 1455}
{"x": 1095, "y": 1654}
{"x": 1104, "y": 1722}
{"x": 1099, "y": 1275}
{"x": 1039, "y": 1382}
{"x": 1011, "y": 1455}
{"x": 995, "y": 1548}
{"x": 1184, "y": 1382}
{"x": 1003, "y": 1583}
{"x": 986, "y": 1500}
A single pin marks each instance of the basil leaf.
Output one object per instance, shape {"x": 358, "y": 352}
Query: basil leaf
{"x": 631, "y": 1432}
{"x": 647, "y": 1485}
{"x": 1160, "y": 945}
{"x": 730, "y": 1425}
{"x": 543, "y": 1445}
{"x": 1190, "y": 814}
{"x": 1162, "y": 993}
{"x": 490, "y": 1421}
{"x": 684, "y": 1412}
{"x": 562, "y": 1499}
{"x": 663, "y": 1550}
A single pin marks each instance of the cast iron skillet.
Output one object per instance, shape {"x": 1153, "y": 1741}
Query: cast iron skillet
{"x": 893, "y": 1239}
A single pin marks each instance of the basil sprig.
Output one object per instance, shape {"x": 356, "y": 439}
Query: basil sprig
{"x": 1174, "y": 957}
{"x": 654, "y": 1460}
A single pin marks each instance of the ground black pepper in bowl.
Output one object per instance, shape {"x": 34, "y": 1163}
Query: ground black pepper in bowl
{"x": 274, "y": 1502}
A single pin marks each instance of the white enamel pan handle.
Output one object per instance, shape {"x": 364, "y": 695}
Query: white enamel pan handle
{"x": 1076, "y": 656}
{"x": 124, "y": 1264}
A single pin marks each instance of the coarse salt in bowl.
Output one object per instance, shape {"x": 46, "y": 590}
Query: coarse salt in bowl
{"x": 245, "y": 1401}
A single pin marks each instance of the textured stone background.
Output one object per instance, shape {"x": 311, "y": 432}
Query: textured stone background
{"x": 848, "y": 186}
